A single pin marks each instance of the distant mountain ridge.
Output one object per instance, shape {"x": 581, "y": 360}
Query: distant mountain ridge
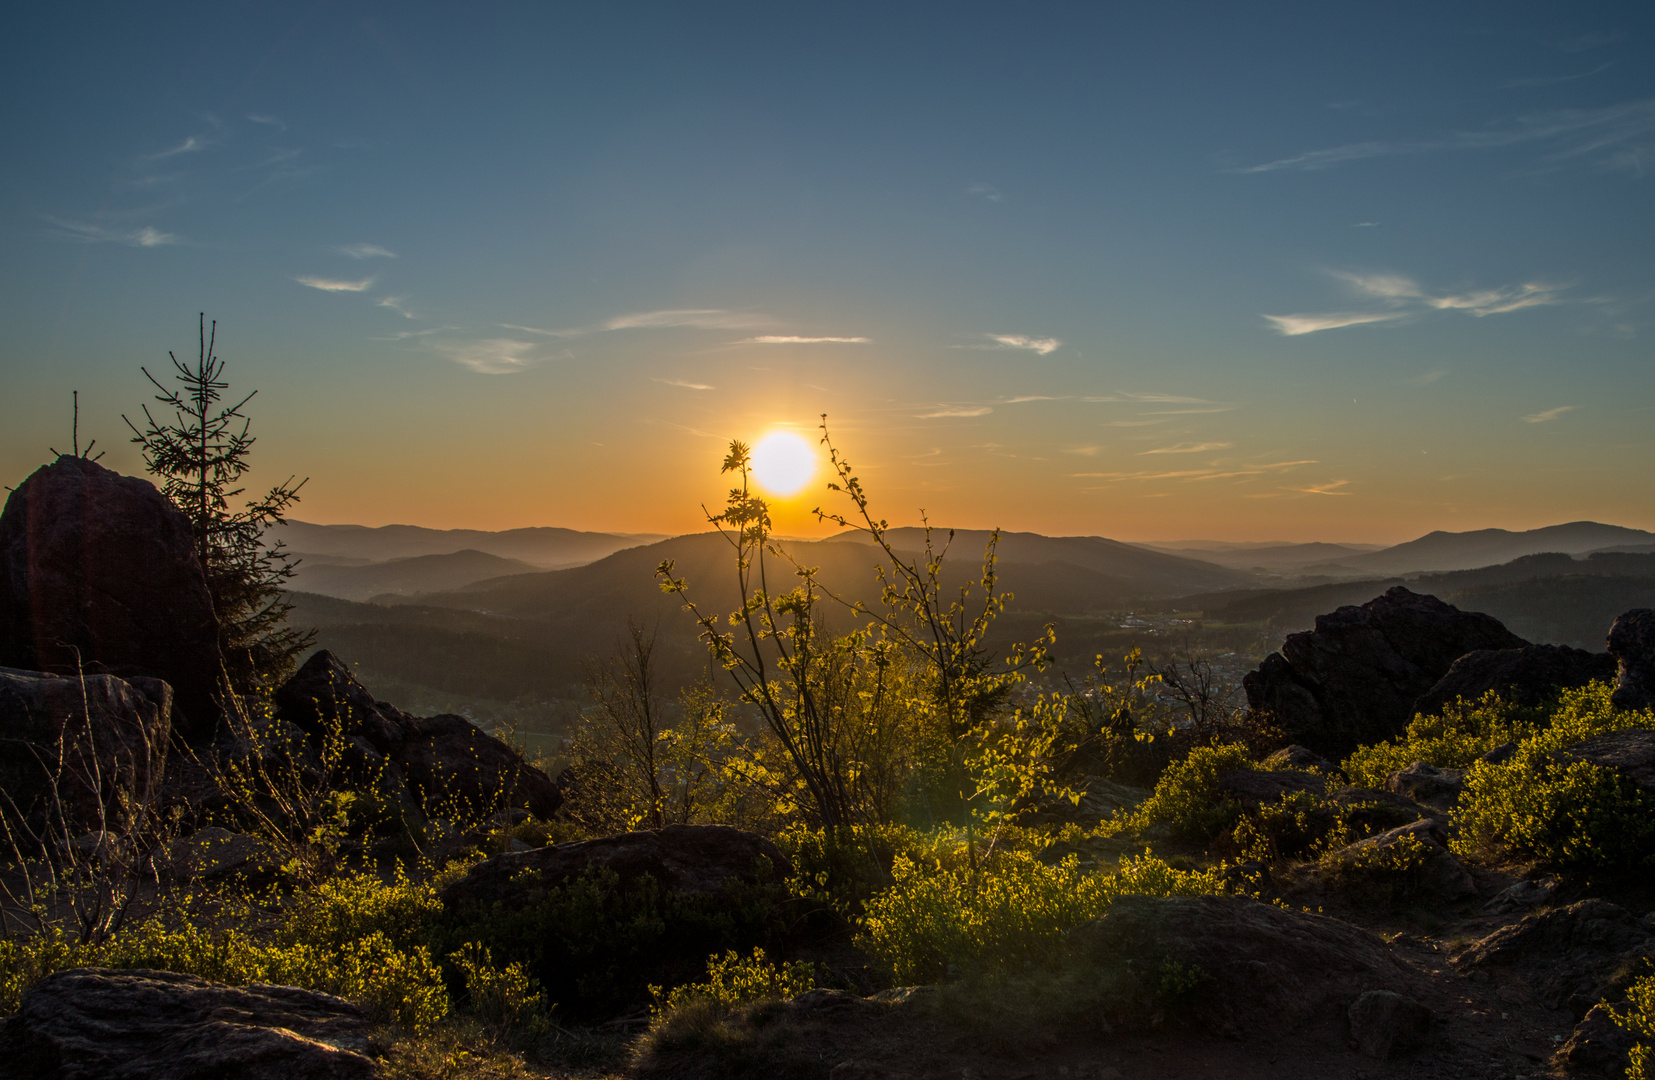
{"x": 541, "y": 547}
{"x": 1440, "y": 551}
{"x": 354, "y": 580}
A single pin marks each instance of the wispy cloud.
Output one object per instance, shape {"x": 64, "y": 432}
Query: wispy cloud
{"x": 1041, "y": 346}
{"x": 1427, "y": 378}
{"x": 1188, "y": 448}
{"x": 1401, "y": 297}
{"x": 81, "y": 233}
{"x": 1331, "y": 488}
{"x": 1294, "y": 325}
{"x": 268, "y": 121}
{"x": 697, "y": 318}
{"x": 985, "y": 191}
{"x": 1138, "y": 423}
{"x": 334, "y": 284}
{"x": 365, "y": 251}
{"x": 1548, "y": 414}
{"x": 1083, "y": 451}
{"x": 685, "y": 385}
{"x": 1244, "y": 472}
{"x": 1366, "y": 225}
{"x": 955, "y": 410}
{"x": 1554, "y": 80}
{"x": 792, "y": 339}
{"x": 191, "y": 144}
{"x": 1033, "y": 397}
{"x": 398, "y": 304}
{"x": 1150, "y": 398}
{"x": 1613, "y": 137}
{"x": 492, "y": 356}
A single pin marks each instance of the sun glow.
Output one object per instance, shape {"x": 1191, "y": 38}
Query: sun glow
{"x": 783, "y": 462}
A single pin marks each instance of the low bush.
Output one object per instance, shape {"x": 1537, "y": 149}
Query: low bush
{"x": 1463, "y": 733}
{"x": 1571, "y": 814}
{"x": 734, "y": 980}
{"x": 1185, "y": 798}
{"x": 1012, "y": 912}
{"x": 1637, "y": 1017}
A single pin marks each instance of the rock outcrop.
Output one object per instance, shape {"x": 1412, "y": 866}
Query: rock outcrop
{"x": 1425, "y": 783}
{"x": 1355, "y": 677}
{"x": 1632, "y": 644}
{"x": 692, "y": 859}
{"x": 1629, "y": 753}
{"x": 441, "y": 761}
{"x": 155, "y": 1025}
{"x": 1269, "y": 970}
{"x": 110, "y": 735}
{"x": 1571, "y": 956}
{"x": 98, "y": 570}
{"x": 1526, "y": 676}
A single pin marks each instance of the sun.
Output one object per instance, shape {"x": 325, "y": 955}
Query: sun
{"x": 783, "y": 462}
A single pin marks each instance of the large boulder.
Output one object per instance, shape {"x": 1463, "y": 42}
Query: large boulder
{"x": 686, "y": 859}
{"x": 446, "y": 764}
{"x": 1570, "y": 957}
{"x": 81, "y": 751}
{"x": 1632, "y": 644}
{"x": 156, "y": 1025}
{"x": 1355, "y": 677}
{"x": 1526, "y": 676}
{"x": 98, "y": 572}
{"x": 1268, "y": 971}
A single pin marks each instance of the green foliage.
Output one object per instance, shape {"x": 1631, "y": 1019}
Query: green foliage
{"x": 1571, "y": 814}
{"x": 402, "y": 986}
{"x": 1637, "y": 1017}
{"x": 734, "y": 980}
{"x": 1185, "y": 798}
{"x": 1287, "y": 828}
{"x": 1011, "y": 912}
{"x": 1454, "y": 740}
{"x": 505, "y": 999}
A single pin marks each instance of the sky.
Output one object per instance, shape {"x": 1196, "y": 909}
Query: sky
{"x": 1147, "y": 271}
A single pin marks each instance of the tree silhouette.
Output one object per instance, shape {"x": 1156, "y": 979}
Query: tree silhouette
{"x": 200, "y": 455}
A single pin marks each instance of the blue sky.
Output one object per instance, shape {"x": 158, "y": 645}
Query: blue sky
{"x": 1148, "y": 271}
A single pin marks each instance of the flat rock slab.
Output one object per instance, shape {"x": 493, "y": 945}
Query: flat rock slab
{"x": 99, "y": 1024}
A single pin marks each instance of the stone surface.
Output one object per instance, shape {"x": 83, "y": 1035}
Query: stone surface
{"x": 1355, "y": 677}
{"x": 1571, "y": 957}
{"x": 1387, "y": 1025}
{"x": 1255, "y": 786}
{"x": 112, "y": 735}
{"x": 446, "y": 763}
{"x": 150, "y": 1025}
{"x": 1632, "y": 644}
{"x": 681, "y": 858}
{"x": 1269, "y": 970}
{"x": 1298, "y": 757}
{"x": 101, "y": 567}
{"x": 1597, "y": 1048}
{"x": 1440, "y": 873}
{"x": 1423, "y": 782}
{"x": 1521, "y": 895}
{"x": 1526, "y": 676}
{"x": 1630, "y": 753}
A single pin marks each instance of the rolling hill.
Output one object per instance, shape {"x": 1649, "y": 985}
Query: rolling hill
{"x": 357, "y": 579}
{"x": 1439, "y": 551}
{"x": 544, "y": 548}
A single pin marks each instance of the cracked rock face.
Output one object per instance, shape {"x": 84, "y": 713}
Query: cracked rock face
{"x": 154, "y": 1025}
{"x": 1355, "y": 677}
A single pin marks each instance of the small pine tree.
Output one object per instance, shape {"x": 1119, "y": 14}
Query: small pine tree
{"x": 199, "y": 456}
